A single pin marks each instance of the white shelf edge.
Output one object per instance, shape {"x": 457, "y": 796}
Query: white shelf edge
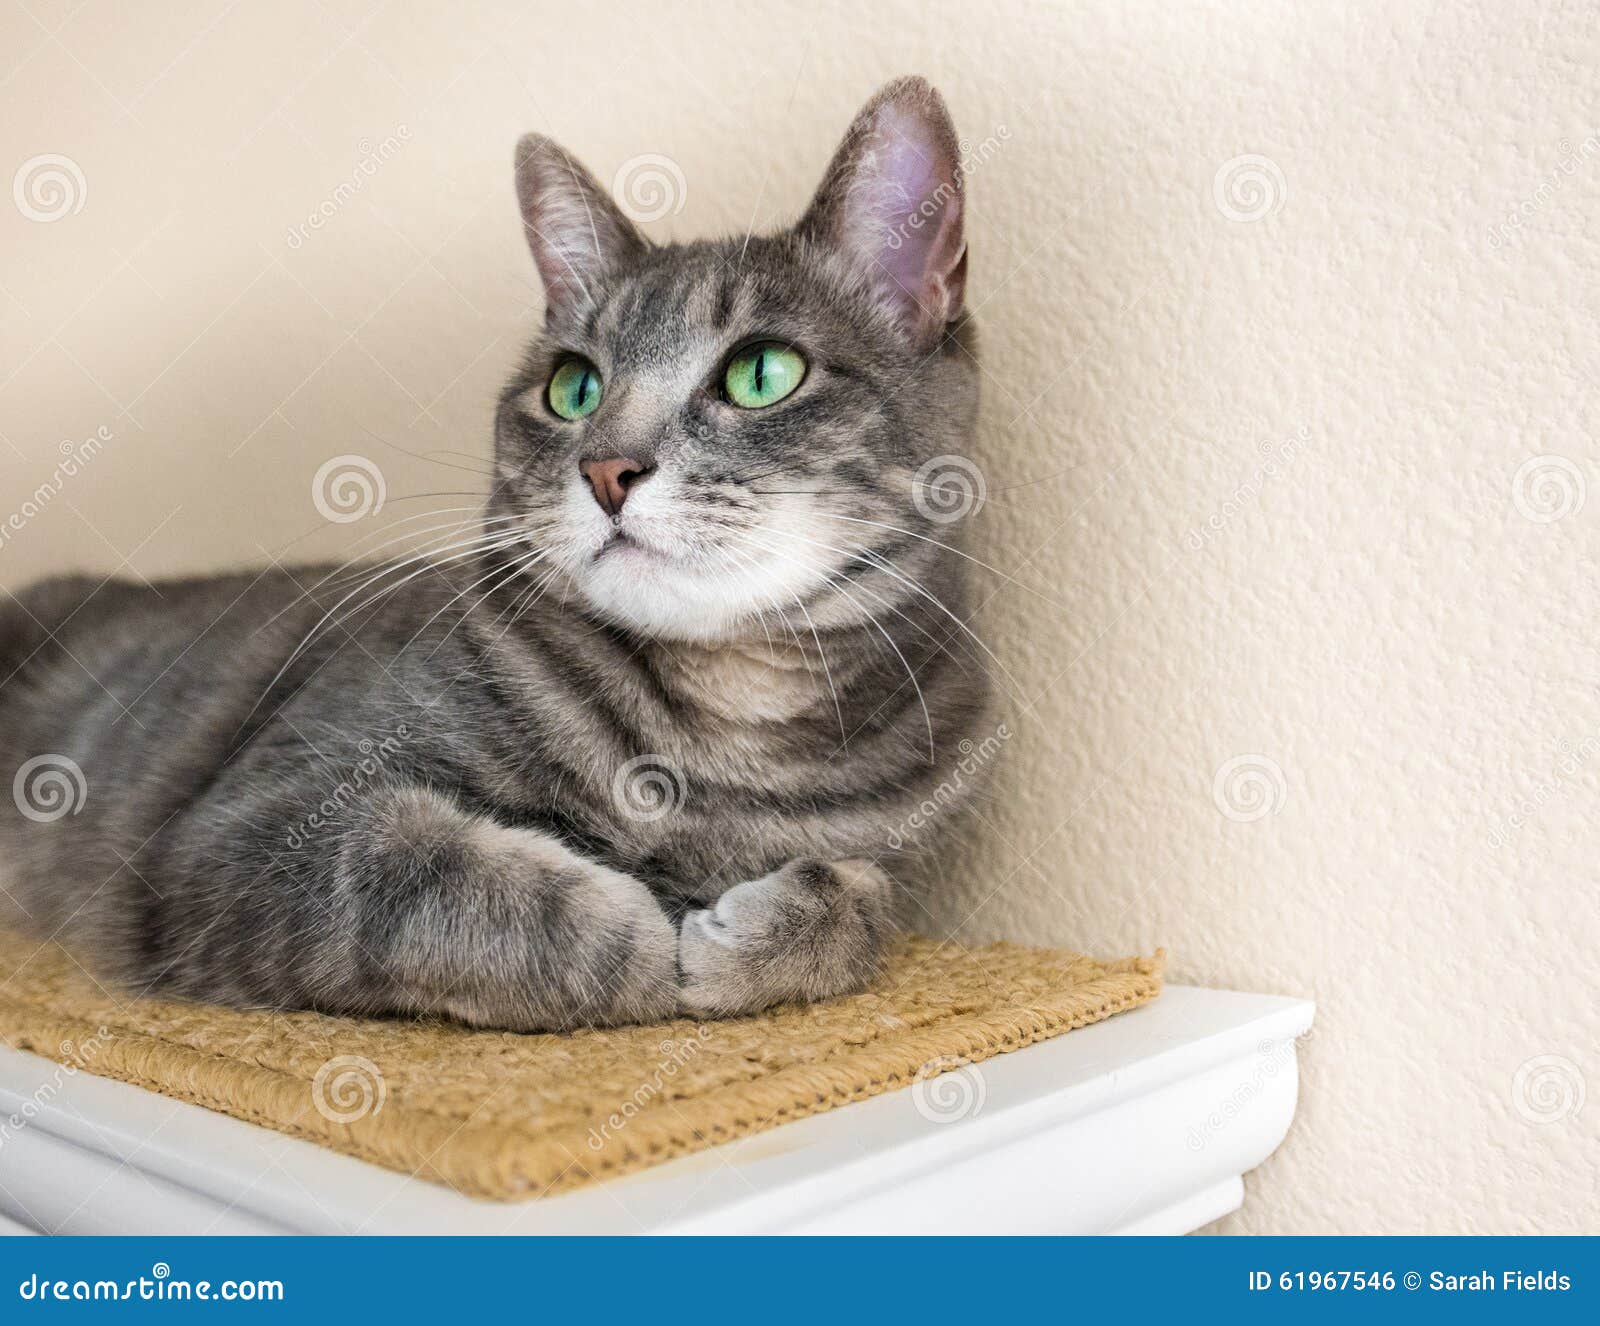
{"x": 1068, "y": 1130}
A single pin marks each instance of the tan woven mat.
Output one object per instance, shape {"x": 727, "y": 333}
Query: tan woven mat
{"x": 507, "y": 1116}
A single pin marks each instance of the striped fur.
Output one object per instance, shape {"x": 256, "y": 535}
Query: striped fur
{"x": 555, "y": 782}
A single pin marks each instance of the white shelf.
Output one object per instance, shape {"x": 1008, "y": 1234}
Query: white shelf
{"x": 1143, "y": 1124}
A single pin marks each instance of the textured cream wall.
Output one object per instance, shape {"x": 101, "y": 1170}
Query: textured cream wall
{"x": 1293, "y": 473}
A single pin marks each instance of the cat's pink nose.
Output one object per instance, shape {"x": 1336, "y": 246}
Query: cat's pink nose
{"x": 611, "y": 480}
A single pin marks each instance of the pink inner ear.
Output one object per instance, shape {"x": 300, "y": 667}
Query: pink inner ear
{"x": 908, "y": 211}
{"x": 573, "y": 227}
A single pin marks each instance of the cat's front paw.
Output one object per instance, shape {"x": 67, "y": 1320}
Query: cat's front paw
{"x": 809, "y": 930}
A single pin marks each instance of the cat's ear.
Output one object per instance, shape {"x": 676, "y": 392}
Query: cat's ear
{"x": 576, "y": 232}
{"x": 892, "y": 200}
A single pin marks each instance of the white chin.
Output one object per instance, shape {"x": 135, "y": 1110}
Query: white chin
{"x": 640, "y": 589}
{"x": 661, "y": 596}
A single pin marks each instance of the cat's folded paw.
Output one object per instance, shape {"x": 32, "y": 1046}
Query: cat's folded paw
{"x": 809, "y": 930}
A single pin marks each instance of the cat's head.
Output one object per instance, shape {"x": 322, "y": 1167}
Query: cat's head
{"x": 705, "y": 433}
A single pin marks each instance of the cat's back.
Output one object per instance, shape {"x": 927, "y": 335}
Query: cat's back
{"x": 164, "y": 682}
{"x": 106, "y": 670}
{"x": 87, "y": 634}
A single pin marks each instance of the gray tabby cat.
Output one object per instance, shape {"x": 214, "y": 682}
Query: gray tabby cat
{"x": 639, "y": 747}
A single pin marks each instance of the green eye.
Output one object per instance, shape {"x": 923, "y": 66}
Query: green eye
{"x": 575, "y": 389}
{"x": 763, "y": 375}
